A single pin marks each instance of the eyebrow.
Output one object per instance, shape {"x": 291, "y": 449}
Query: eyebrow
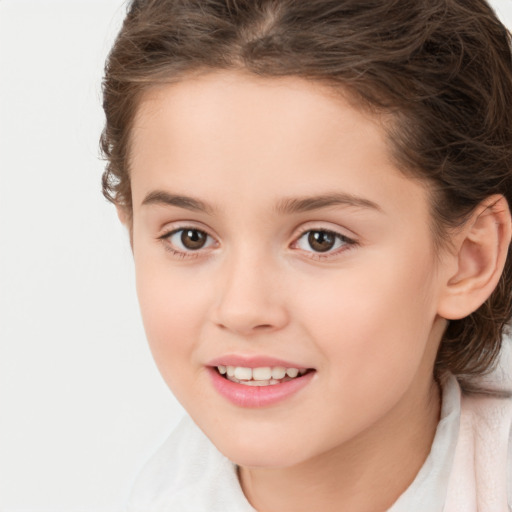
{"x": 160, "y": 197}
{"x": 297, "y": 205}
{"x": 285, "y": 206}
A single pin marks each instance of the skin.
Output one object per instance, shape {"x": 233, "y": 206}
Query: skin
{"x": 365, "y": 315}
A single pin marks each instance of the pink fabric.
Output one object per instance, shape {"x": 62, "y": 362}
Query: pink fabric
{"x": 480, "y": 479}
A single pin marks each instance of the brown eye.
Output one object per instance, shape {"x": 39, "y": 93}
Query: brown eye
{"x": 193, "y": 239}
{"x": 321, "y": 241}
{"x": 187, "y": 240}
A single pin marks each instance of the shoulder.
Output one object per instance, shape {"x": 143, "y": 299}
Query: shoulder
{"x": 482, "y": 472}
{"x": 484, "y": 450}
{"x": 188, "y": 474}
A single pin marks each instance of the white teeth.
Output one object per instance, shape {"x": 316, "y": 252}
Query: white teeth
{"x": 292, "y": 372}
{"x": 242, "y": 373}
{"x": 262, "y": 376}
{"x": 260, "y": 383}
{"x": 262, "y": 373}
{"x": 278, "y": 372}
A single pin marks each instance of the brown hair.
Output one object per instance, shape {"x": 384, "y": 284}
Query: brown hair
{"x": 442, "y": 69}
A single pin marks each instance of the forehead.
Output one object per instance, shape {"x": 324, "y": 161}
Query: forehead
{"x": 269, "y": 114}
{"x": 234, "y": 129}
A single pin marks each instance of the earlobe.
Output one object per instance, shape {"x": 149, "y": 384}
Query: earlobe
{"x": 481, "y": 252}
{"x": 122, "y": 214}
{"x": 125, "y": 217}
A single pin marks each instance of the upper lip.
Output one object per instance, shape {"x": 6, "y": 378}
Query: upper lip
{"x": 253, "y": 361}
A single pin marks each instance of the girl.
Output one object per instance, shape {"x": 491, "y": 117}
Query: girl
{"x": 317, "y": 195}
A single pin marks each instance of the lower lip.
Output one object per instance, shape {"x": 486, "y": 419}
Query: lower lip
{"x": 257, "y": 396}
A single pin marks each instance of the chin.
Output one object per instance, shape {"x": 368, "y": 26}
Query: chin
{"x": 258, "y": 460}
{"x": 262, "y": 453}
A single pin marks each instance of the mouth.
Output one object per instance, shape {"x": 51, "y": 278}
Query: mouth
{"x": 260, "y": 376}
{"x": 255, "y": 381}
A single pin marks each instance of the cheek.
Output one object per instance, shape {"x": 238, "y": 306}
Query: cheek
{"x": 172, "y": 307}
{"x": 373, "y": 321}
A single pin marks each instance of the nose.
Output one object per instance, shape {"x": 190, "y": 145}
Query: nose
{"x": 250, "y": 297}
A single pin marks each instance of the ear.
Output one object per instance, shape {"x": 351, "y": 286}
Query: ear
{"x": 123, "y": 214}
{"x": 480, "y": 253}
{"x": 125, "y": 217}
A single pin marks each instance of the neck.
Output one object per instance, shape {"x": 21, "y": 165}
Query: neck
{"x": 366, "y": 474}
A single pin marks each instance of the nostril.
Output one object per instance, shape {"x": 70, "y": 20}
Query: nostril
{"x": 244, "y": 327}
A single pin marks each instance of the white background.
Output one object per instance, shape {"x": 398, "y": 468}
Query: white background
{"x": 81, "y": 402}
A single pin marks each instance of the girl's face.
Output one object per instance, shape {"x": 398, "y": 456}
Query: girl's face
{"x": 271, "y": 229}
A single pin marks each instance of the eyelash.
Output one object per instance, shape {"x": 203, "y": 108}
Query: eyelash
{"x": 348, "y": 243}
{"x": 190, "y": 254}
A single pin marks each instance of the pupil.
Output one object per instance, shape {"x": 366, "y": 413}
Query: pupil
{"x": 193, "y": 239}
{"x": 321, "y": 241}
